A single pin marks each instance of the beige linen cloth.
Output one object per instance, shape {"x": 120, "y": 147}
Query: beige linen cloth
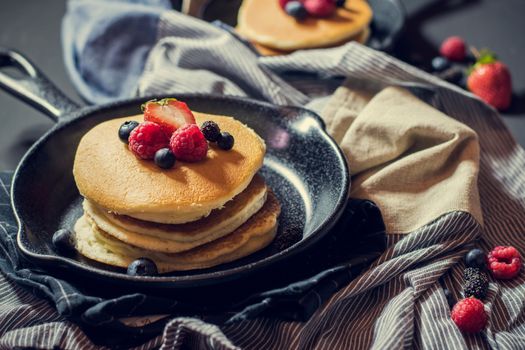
{"x": 413, "y": 161}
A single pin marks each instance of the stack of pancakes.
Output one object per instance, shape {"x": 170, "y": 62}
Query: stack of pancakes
{"x": 195, "y": 215}
{"x": 274, "y": 32}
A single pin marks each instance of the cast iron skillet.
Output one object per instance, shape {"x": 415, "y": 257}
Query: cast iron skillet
{"x": 303, "y": 166}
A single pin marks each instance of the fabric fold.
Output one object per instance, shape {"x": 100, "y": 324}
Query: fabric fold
{"x": 414, "y": 161}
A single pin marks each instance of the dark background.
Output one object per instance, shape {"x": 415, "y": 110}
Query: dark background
{"x": 33, "y": 28}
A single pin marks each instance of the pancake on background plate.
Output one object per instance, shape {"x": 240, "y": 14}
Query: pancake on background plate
{"x": 192, "y": 215}
{"x": 273, "y": 31}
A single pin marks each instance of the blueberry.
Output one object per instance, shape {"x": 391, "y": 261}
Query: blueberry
{"x": 449, "y": 296}
{"x": 340, "y": 3}
{"x": 453, "y": 74}
{"x": 476, "y": 258}
{"x": 64, "y": 241}
{"x": 439, "y": 64}
{"x": 164, "y": 158}
{"x": 211, "y": 131}
{"x": 126, "y": 129}
{"x": 142, "y": 267}
{"x": 296, "y": 10}
{"x": 226, "y": 141}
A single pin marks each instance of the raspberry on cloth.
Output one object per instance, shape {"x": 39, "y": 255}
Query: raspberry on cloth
{"x": 504, "y": 262}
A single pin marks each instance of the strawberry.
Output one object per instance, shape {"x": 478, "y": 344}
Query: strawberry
{"x": 453, "y": 48}
{"x": 169, "y": 113}
{"x": 490, "y": 80}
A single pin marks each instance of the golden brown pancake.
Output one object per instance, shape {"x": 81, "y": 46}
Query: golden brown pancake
{"x": 266, "y": 23}
{"x": 253, "y": 235}
{"x": 361, "y": 37}
{"x": 169, "y": 238}
{"x": 109, "y": 175}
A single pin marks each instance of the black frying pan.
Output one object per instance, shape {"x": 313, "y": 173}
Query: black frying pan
{"x": 303, "y": 166}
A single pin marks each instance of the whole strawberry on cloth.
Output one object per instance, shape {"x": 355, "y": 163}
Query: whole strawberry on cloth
{"x": 490, "y": 80}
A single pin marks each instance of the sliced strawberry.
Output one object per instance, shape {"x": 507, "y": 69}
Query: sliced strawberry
{"x": 169, "y": 113}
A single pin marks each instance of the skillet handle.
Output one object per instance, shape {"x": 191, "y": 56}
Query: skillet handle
{"x": 33, "y": 87}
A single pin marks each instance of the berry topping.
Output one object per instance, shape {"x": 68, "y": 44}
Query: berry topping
{"x": 504, "y": 262}
{"x": 476, "y": 258}
{"x": 453, "y": 48}
{"x": 125, "y": 129}
{"x": 476, "y": 283}
{"x": 211, "y": 131}
{"x": 340, "y": 3}
{"x": 469, "y": 315}
{"x": 296, "y": 9}
{"x": 64, "y": 241}
{"x": 189, "y": 144}
{"x": 164, "y": 158}
{"x": 283, "y": 3}
{"x": 490, "y": 80}
{"x": 142, "y": 267}
{"x": 146, "y": 139}
{"x": 169, "y": 113}
{"x": 319, "y": 8}
{"x": 439, "y": 64}
{"x": 226, "y": 141}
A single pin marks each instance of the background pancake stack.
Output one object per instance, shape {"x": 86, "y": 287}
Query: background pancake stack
{"x": 195, "y": 215}
{"x": 274, "y": 32}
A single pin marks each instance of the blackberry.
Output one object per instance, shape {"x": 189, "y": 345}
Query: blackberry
{"x": 476, "y": 288}
{"x": 473, "y": 273}
{"x": 211, "y": 131}
{"x": 476, "y": 283}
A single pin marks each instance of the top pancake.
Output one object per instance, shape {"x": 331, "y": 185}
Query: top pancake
{"x": 108, "y": 174}
{"x": 265, "y": 22}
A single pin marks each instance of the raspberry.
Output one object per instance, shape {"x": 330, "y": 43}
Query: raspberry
{"x": 319, "y": 8}
{"x": 188, "y": 143}
{"x": 504, "y": 262}
{"x": 453, "y": 48}
{"x": 469, "y": 315}
{"x": 146, "y": 139}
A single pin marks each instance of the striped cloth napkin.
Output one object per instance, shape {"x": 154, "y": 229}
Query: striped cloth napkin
{"x": 399, "y": 301}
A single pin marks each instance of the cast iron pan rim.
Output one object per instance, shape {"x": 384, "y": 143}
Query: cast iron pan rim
{"x": 204, "y": 278}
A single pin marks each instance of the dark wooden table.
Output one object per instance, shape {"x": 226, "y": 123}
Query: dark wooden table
{"x": 33, "y": 28}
